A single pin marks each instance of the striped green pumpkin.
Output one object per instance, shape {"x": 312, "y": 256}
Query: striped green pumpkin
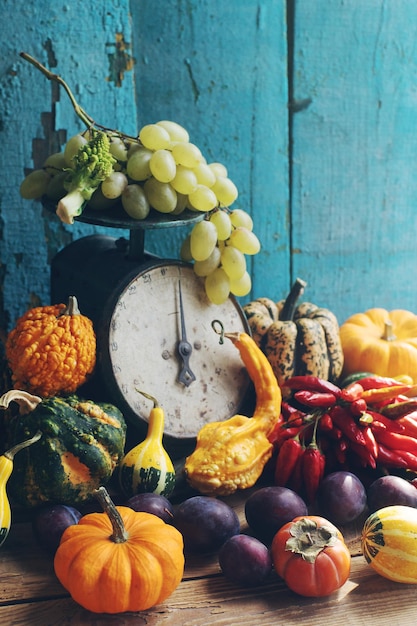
{"x": 81, "y": 445}
{"x": 389, "y": 543}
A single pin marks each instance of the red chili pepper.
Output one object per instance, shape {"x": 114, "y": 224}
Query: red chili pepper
{"x": 357, "y": 407}
{"x": 371, "y": 443}
{"x": 287, "y": 410}
{"x": 373, "y": 396}
{"x": 288, "y": 455}
{"x": 364, "y": 455}
{"x": 379, "y": 419}
{"x": 313, "y": 399}
{"x": 325, "y": 423}
{"x": 352, "y": 392}
{"x": 296, "y": 419}
{"x": 311, "y": 383}
{"x": 295, "y": 481}
{"x": 390, "y": 458}
{"x": 376, "y": 382}
{"x": 340, "y": 451}
{"x": 313, "y": 464}
{"x": 409, "y": 424}
{"x": 343, "y": 419}
{"x": 396, "y": 441}
{"x": 410, "y": 458}
{"x": 281, "y": 432}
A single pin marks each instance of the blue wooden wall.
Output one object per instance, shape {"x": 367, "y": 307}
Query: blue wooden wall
{"x": 311, "y": 106}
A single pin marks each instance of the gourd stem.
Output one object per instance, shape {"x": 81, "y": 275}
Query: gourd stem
{"x": 388, "y": 334}
{"x": 290, "y": 303}
{"x": 9, "y": 454}
{"x": 156, "y": 419}
{"x": 27, "y": 402}
{"x": 119, "y": 532}
{"x": 71, "y": 308}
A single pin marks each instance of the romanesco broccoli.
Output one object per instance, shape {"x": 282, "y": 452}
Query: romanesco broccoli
{"x": 92, "y": 164}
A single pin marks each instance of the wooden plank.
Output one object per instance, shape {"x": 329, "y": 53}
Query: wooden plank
{"x": 77, "y": 41}
{"x": 219, "y": 68}
{"x": 364, "y": 600}
{"x": 354, "y": 149}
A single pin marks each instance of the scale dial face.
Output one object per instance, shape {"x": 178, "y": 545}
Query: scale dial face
{"x": 144, "y": 329}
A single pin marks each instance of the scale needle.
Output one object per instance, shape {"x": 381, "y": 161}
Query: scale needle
{"x": 186, "y": 375}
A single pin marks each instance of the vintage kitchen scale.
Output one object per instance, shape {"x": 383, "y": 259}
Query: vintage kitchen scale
{"x": 154, "y": 328}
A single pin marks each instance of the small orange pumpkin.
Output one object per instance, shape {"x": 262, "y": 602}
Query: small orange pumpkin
{"x": 380, "y": 341}
{"x": 52, "y": 350}
{"x": 120, "y": 560}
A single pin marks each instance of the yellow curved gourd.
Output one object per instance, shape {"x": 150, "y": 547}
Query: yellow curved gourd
{"x": 6, "y": 468}
{"x": 389, "y": 543}
{"x": 231, "y": 455}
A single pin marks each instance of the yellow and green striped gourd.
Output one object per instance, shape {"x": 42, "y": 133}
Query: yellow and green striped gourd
{"x": 389, "y": 543}
{"x": 147, "y": 467}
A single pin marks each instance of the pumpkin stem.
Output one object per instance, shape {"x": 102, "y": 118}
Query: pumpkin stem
{"x": 26, "y": 401}
{"x": 308, "y": 539}
{"x": 290, "y": 303}
{"x": 119, "y": 532}
{"x": 388, "y": 334}
{"x": 71, "y": 308}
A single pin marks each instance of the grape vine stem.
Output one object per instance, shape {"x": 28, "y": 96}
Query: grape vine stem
{"x": 80, "y": 112}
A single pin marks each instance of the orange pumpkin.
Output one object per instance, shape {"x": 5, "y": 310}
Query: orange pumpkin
{"x": 52, "y": 350}
{"x": 120, "y": 560}
{"x": 380, "y": 341}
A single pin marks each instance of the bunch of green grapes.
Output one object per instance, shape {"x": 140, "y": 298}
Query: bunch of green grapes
{"x": 162, "y": 170}
{"x": 218, "y": 246}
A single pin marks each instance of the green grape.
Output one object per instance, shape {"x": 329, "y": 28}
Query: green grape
{"x": 72, "y": 146}
{"x": 135, "y": 202}
{"x": 203, "y": 199}
{"x": 244, "y": 240}
{"x": 233, "y": 262}
{"x": 203, "y": 240}
{"x": 184, "y": 181}
{"x": 241, "y": 286}
{"x": 161, "y": 196}
{"x": 222, "y": 222}
{"x": 55, "y": 163}
{"x": 225, "y": 190}
{"x": 186, "y": 154}
{"x": 204, "y": 174}
{"x": 185, "y": 251}
{"x": 118, "y": 148}
{"x": 217, "y": 286}
{"x": 113, "y": 186}
{"x": 218, "y": 169}
{"x": 34, "y": 185}
{"x": 154, "y": 137}
{"x": 162, "y": 166}
{"x": 206, "y": 267}
{"x": 175, "y": 131}
{"x": 238, "y": 217}
{"x": 138, "y": 163}
{"x": 181, "y": 204}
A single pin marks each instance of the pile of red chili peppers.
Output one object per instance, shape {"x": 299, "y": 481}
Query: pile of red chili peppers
{"x": 322, "y": 428}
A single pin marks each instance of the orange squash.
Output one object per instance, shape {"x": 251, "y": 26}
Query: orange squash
{"x": 120, "y": 560}
{"x": 380, "y": 341}
{"x": 52, "y": 350}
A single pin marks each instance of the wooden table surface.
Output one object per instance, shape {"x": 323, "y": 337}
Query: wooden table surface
{"x": 31, "y": 594}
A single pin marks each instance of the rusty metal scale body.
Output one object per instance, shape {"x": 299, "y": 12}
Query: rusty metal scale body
{"x": 154, "y": 329}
